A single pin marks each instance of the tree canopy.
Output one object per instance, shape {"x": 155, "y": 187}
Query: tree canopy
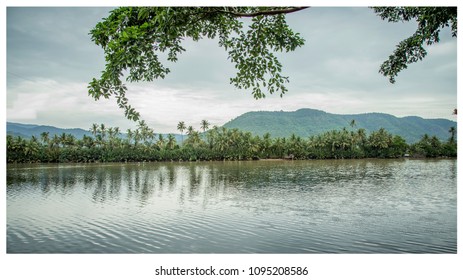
{"x": 430, "y": 22}
{"x": 134, "y": 39}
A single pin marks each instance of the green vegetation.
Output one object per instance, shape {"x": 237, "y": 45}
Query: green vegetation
{"x": 133, "y": 38}
{"x": 217, "y": 143}
{"x": 136, "y": 40}
{"x": 307, "y": 122}
{"x": 430, "y": 22}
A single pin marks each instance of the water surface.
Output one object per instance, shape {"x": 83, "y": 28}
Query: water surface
{"x": 334, "y": 206}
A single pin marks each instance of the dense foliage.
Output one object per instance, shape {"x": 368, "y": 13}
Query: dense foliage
{"x": 137, "y": 40}
{"x": 142, "y": 144}
{"x": 134, "y": 39}
{"x": 430, "y": 22}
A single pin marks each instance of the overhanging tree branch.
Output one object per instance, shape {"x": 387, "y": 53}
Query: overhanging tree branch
{"x": 431, "y": 20}
{"x": 233, "y": 12}
{"x": 133, "y": 37}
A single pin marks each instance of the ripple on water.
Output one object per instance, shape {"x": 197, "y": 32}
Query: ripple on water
{"x": 280, "y": 207}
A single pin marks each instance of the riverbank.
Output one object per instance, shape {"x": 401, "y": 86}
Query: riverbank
{"x": 226, "y": 145}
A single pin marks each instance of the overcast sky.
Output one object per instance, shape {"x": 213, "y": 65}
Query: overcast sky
{"x": 51, "y": 59}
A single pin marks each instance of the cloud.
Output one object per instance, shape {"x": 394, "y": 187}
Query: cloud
{"x": 50, "y": 60}
{"x": 59, "y": 104}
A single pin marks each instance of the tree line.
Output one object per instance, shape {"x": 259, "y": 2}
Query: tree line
{"x": 219, "y": 143}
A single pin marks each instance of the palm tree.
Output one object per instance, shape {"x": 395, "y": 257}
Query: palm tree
{"x": 34, "y": 139}
{"x": 190, "y": 130}
{"x": 380, "y": 141}
{"x": 425, "y": 138}
{"x": 63, "y": 139}
{"x": 111, "y": 136}
{"x": 222, "y": 141}
{"x": 295, "y": 146}
{"x": 254, "y": 147}
{"x": 181, "y": 127}
{"x": 146, "y": 133}
{"x": 361, "y": 136}
{"x": 103, "y": 131}
{"x": 116, "y": 133}
{"x": 161, "y": 141}
{"x": 452, "y": 132}
{"x": 359, "y": 139}
{"x": 266, "y": 143}
{"x": 31, "y": 148}
{"x": 170, "y": 141}
{"x": 333, "y": 138}
{"x": 212, "y": 136}
{"x": 87, "y": 141}
{"x": 193, "y": 139}
{"x": 129, "y": 135}
{"x": 136, "y": 136}
{"x": 70, "y": 140}
{"x": 352, "y": 123}
{"x": 204, "y": 125}
{"x": 94, "y": 129}
{"x": 45, "y": 137}
{"x": 344, "y": 139}
{"x": 55, "y": 141}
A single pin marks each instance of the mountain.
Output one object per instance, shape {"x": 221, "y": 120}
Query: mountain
{"x": 307, "y": 122}
{"x": 303, "y": 122}
{"x": 29, "y": 130}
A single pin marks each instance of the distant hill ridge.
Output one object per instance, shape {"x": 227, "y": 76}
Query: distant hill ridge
{"x": 307, "y": 122}
{"x": 29, "y": 130}
{"x": 303, "y": 122}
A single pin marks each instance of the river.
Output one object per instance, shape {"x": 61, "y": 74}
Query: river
{"x": 319, "y": 206}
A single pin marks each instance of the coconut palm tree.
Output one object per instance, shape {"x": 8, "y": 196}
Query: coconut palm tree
{"x": 204, "y": 125}
{"x": 345, "y": 140}
{"x": 379, "y": 141}
{"x": 111, "y": 133}
{"x": 136, "y": 136}
{"x": 129, "y": 136}
{"x": 87, "y": 141}
{"x": 45, "y": 138}
{"x": 212, "y": 136}
{"x": 146, "y": 133}
{"x": 161, "y": 141}
{"x": 94, "y": 129}
{"x": 55, "y": 141}
{"x": 194, "y": 140}
{"x": 452, "y": 132}
{"x": 181, "y": 127}
{"x": 361, "y": 137}
{"x": 31, "y": 148}
{"x": 170, "y": 142}
{"x": 266, "y": 144}
{"x": 352, "y": 124}
{"x": 190, "y": 130}
{"x": 103, "y": 131}
{"x": 70, "y": 140}
{"x": 62, "y": 139}
{"x": 222, "y": 141}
